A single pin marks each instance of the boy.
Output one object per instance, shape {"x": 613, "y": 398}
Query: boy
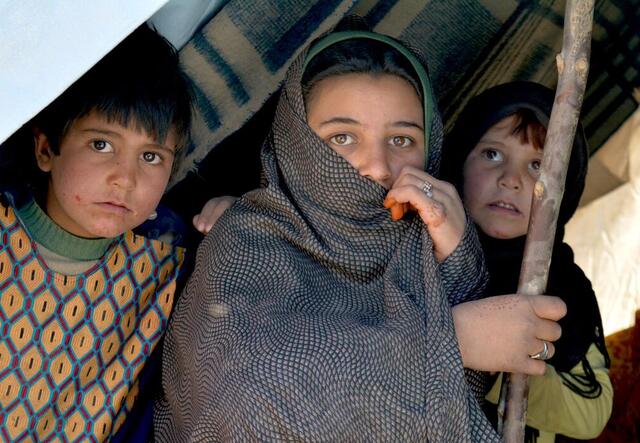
{"x": 85, "y": 301}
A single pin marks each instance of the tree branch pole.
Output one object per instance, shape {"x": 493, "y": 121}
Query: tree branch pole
{"x": 573, "y": 67}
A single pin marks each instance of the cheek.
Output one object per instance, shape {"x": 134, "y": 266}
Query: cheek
{"x": 152, "y": 190}
{"x": 472, "y": 188}
{"x": 414, "y": 159}
{"x": 71, "y": 184}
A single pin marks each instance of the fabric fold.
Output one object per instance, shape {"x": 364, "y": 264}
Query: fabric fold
{"x": 312, "y": 316}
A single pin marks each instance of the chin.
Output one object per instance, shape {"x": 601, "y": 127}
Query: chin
{"x": 502, "y": 234}
{"x": 107, "y": 231}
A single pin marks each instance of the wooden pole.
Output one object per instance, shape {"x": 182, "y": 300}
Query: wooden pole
{"x": 573, "y": 67}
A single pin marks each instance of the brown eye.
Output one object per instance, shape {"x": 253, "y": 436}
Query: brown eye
{"x": 151, "y": 157}
{"x": 400, "y": 141}
{"x": 341, "y": 139}
{"x": 492, "y": 154}
{"x": 101, "y": 145}
{"x": 535, "y": 165}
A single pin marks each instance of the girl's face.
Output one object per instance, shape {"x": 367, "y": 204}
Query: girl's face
{"x": 499, "y": 175}
{"x": 375, "y": 122}
{"x": 107, "y": 178}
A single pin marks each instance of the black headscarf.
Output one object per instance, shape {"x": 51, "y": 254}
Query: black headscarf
{"x": 582, "y": 325}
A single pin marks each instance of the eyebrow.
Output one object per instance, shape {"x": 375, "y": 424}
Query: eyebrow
{"x": 118, "y": 135}
{"x": 351, "y": 121}
{"x": 408, "y": 124}
{"x": 340, "y": 120}
{"x": 491, "y": 141}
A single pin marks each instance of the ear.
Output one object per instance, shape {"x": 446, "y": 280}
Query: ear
{"x": 44, "y": 154}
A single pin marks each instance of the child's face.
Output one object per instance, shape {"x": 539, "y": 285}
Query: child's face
{"x": 107, "y": 178}
{"x": 375, "y": 123}
{"x": 499, "y": 175}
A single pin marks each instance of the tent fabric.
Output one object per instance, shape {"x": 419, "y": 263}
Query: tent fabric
{"x": 602, "y": 232}
{"x": 178, "y": 20}
{"x": 238, "y": 60}
{"x": 46, "y": 46}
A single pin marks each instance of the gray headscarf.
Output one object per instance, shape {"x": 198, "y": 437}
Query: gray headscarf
{"x": 312, "y": 316}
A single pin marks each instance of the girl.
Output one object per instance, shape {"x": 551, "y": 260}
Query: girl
{"x": 493, "y": 156}
{"x": 311, "y": 314}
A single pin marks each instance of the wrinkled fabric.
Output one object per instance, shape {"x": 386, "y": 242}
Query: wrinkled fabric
{"x": 312, "y": 316}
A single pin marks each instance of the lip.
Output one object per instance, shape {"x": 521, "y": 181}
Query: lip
{"x": 115, "y": 207}
{"x": 498, "y": 206}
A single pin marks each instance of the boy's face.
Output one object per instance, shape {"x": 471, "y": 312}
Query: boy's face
{"x": 107, "y": 178}
{"x": 499, "y": 175}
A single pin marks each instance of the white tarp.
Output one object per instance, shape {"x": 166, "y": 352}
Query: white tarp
{"x": 605, "y": 232}
{"x": 47, "y": 45}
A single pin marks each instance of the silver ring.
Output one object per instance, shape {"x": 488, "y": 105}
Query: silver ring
{"x": 542, "y": 355}
{"x": 427, "y": 188}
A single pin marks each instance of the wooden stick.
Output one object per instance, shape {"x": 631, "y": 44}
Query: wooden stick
{"x": 573, "y": 67}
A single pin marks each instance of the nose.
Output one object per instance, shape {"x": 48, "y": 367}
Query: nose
{"x": 510, "y": 178}
{"x": 375, "y": 164}
{"x": 124, "y": 172}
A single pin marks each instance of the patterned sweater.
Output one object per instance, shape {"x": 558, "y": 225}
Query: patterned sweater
{"x": 72, "y": 346}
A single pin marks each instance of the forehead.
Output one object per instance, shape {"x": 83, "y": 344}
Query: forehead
{"x": 355, "y": 90}
{"x": 506, "y": 125}
{"x": 504, "y": 131}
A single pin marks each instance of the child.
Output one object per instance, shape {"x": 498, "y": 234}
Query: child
{"x": 311, "y": 314}
{"x": 85, "y": 301}
{"x": 493, "y": 155}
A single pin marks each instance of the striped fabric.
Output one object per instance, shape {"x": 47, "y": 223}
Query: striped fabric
{"x": 240, "y": 57}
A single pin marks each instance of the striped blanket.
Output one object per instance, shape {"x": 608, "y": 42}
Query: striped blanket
{"x": 239, "y": 59}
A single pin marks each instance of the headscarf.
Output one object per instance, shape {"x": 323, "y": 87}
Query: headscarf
{"x": 312, "y": 316}
{"x": 582, "y": 325}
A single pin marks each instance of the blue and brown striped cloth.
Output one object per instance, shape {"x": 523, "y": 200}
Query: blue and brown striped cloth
{"x": 238, "y": 60}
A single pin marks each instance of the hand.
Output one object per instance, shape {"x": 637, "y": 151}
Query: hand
{"x": 500, "y": 333}
{"x": 442, "y": 212}
{"x": 211, "y": 212}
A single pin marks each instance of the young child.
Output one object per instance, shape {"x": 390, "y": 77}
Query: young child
{"x": 85, "y": 301}
{"x": 493, "y": 155}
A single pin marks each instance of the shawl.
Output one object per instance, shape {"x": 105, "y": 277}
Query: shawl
{"x": 311, "y": 316}
{"x": 582, "y": 325}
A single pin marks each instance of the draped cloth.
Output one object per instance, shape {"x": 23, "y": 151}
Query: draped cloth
{"x": 312, "y": 316}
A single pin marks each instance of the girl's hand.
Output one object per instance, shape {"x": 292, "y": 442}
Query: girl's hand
{"x": 211, "y": 212}
{"x": 501, "y": 333}
{"x": 437, "y": 203}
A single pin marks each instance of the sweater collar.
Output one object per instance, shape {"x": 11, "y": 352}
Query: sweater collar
{"x": 47, "y": 233}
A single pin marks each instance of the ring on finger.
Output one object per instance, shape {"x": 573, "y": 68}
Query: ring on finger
{"x": 427, "y": 188}
{"x": 542, "y": 355}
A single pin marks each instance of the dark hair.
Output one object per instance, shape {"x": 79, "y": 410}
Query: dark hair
{"x": 138, "y": 83}
{"x": 358, "y": 56}
{"x": 528, "y": 127}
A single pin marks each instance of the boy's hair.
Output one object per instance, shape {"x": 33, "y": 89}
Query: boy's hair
{"x": 138, "y": 83}
{"x": 529, "y": 128}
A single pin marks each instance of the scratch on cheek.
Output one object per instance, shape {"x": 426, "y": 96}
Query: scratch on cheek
{"x": 77, "y": 198}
